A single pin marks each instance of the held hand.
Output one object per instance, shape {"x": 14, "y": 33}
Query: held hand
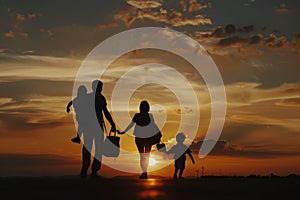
{"x": 164, "y": 150}
{"x": 120, "y": 132}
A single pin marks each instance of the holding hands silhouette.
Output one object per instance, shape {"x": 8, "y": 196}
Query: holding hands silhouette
{"x": 120, "y": 132}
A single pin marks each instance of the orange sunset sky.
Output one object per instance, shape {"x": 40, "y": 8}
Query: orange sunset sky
{"x": 255, "y": 45}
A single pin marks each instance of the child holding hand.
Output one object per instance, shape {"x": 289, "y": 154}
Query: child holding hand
{"x": 179, "y": 152}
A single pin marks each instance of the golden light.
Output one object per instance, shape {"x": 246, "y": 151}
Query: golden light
{"x": 152, "y": 161}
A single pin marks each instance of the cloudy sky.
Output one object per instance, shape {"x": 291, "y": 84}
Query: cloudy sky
{"x": 254, "y": 43}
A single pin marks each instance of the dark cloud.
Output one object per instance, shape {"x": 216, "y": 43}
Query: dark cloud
{"x": 23, "y": 121}
{"x": 224, "y": 148}
{"x": 230, "y": 29}
{"x": 56, "y": 28}
{"x": 34, "y": 164}
{"x": 231, "y": 40}
{"x": 242, "y": 38}
{"x": 56, "y": 13}
{"x": 23, "y": 89}
{"x": 256, "y": 39}
{"x": 231, "y": 35}
{"x": 218, "y": 32}
{"x": 164, "y": 13}
{"x": 69, "y": 40}
{"x": 33, "y": 159}
{"x": 246, "y": 29}
{"x": 40, "y": 26}
{"x": 275, "y": 42}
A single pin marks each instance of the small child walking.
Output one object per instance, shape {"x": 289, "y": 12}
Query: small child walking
{"x": 180, "y": 150}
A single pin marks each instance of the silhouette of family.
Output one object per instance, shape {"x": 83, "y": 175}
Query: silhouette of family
{"x": 90, "y": 109}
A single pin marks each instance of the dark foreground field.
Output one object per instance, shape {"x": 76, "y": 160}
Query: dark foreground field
{"x": 72, "y": 187}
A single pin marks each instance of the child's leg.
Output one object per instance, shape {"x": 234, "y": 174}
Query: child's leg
{"x": 181, "y": 169}
{"x": 76, "y": 139}
{"x": 175, "y": 173}
{"x": 180, "y": 173}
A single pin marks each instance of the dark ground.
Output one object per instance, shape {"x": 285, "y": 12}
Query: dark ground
{"x": 72, "y": 187}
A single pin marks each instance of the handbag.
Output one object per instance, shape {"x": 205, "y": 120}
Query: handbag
{"x": 111, "y": 145}
{"x": 161, "y": 146}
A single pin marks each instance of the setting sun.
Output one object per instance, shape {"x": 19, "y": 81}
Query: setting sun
{"x": 152, "y": 161}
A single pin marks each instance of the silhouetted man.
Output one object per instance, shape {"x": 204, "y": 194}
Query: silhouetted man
{"x": 92, "y": 133}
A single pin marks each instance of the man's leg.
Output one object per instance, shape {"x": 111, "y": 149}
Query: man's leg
{"x": 86, "y": 161}
{"x": 181, "y": 172}
{"x": 96, "y": 165}
{"x": 175, "y": 173}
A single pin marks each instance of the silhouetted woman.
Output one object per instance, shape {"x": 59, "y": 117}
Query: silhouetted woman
{"x": 145, "y": 127}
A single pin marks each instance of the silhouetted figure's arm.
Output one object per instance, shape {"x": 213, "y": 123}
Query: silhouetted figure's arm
{"x": 109, "y": 118}
{"x": 191, "y": 156}
{"x": 68, "y": 106}
{"x": 127, "y": 128}
{"x": 170, "y": 151}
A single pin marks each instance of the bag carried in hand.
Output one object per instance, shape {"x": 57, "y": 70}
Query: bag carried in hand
{"x": 155, "y": 138}
{"x": 161, "y": 146}
{"x": 111, "y": 145}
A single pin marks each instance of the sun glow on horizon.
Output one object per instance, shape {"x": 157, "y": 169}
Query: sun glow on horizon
{"x": 152, "y": 161}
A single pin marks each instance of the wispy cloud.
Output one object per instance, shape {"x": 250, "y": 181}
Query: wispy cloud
{"x": 248, "y": 93}
{"x": 18, "y": 67}
{"x": 250, "y": 104}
